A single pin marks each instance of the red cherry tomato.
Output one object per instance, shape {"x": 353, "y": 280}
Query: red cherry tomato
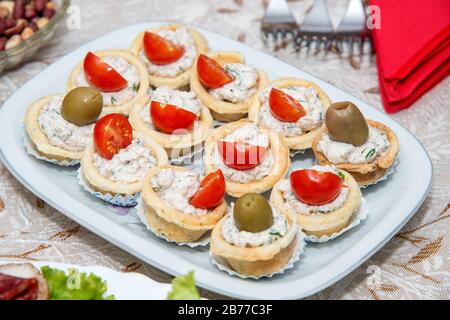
{"x": 112, "y": 133}
{"x": 168, "y": 118}
{"x": 101, "y": 75}
{"x": 315, "y": 188}
{"x": 211, "y": 191}
{"x": 161, "y": 51}
{"x": 241, "y": 156}
{"x": 284, "y": 107}
{"x": 211, "y": 74}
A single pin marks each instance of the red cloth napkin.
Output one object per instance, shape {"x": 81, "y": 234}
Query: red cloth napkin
{"x": 413, "y": 49}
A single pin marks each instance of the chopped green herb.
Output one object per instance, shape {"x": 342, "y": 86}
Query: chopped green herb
{"x": 274, "y": 233}
{"x": 113, "y": 100}
{"x": 340, "y": 174}
{"x": 370, "y": 153}
{"x": 135, "y": 87}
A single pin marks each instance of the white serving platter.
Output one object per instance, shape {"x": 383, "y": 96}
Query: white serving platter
{"x": 123, "y": 285}
{"x": 392, "y": 202}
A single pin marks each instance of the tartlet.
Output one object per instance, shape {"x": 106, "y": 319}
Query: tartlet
{"x": 175, "y": 144}
{"x": 41, "y": 141}
{"x": 308, "y": 125}
{"x": 364, "y": 173}
{"x": 165, "y": 220}
{"x": 276, "y": 170}
{"x": 224, "y": 110}
{"x": 256, "y": 261}
{"x": 136, "y": 88}
{"x": 103, "y": 184}
{"x": 313, "y": 221}
{"x": 180, "y": 80}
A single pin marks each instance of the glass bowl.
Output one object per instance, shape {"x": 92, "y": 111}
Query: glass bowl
{"x": 26, "y": 49}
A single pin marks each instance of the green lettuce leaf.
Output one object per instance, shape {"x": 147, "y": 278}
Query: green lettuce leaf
{"x": 183, "y": 288}
{"x": 74, "y": 285}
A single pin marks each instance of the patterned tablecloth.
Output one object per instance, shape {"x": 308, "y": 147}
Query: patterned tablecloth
{"x": 414, "y": 264}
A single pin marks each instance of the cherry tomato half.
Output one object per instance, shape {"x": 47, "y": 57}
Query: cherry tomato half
{"x": 211, "y": 191}
{"x": 241, "y": 156}
{"x": 168, "y": 118}
{"x": 211, "y": 74}
{"x": 161, "y": 51}
{"x": 315, "y": 188}
{"x": 101, "y": 75}
{"x": 112, "y": 133}
{"x": 284, "y": 107}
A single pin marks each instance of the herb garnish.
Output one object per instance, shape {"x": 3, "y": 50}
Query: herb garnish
{"x": 135, "y": 87}
{"x": 234, "y": 74}
{"x": 370, "y": 153}
{"x": 275, "y": 233}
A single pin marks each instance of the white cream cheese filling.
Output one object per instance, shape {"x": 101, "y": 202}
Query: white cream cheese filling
{"x": 308, "y": 98}
{"x": 186, "y": 100}
{"x": 62, "y": 133}
{"x": 234, "y": 236}
{"x": 300, "y": 207}
{"x": 181, "y": 37}
{"x": 129, "y": 165}
{"x": 176, "y": 188}
{"x": 126, "y": 70}
{"x": 249, "y": 134}
{"x": 341, "y": 152}
{"x": 242, "y": 86}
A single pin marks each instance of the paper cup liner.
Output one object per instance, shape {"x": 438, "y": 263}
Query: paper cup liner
{"x": 222, "y": 265}
{"x": 29, "y": 147}
{"x": 390, "y": 171}
{"x": 357, "y": 218}
{"x": 117, "y": 200}
{"x": 140, "y": 212}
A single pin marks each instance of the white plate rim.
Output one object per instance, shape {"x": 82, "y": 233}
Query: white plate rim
{"x": 205, "y": 278}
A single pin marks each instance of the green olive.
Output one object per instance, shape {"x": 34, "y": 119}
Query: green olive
{"x": 82, "y": 106}
{"x": 345, "y": 123}
{"x": 252, "y": 213}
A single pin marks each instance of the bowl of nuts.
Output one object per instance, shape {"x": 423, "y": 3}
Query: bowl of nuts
{"x": 25, "y": 26}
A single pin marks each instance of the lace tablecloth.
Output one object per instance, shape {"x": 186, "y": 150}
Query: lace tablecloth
{"x": 414, "y": 264}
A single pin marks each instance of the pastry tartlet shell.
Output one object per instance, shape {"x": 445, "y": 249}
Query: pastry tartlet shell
{"x": 257, "y": 261}
{"x": 305, "y": 140}
{"x": 39, "y": 139}
{"x": 364, "y": 173}
{"x": 223, "y": 110}
{"x": 132, "y": 59}
{"x": 277, "y": 146}
{"x": 181, "y": 80}
{"x": 174, "y": 224}
{"x": 103, "y": 185}
{"x": 175, "y": 144}
{"x": 324, "y": 224}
